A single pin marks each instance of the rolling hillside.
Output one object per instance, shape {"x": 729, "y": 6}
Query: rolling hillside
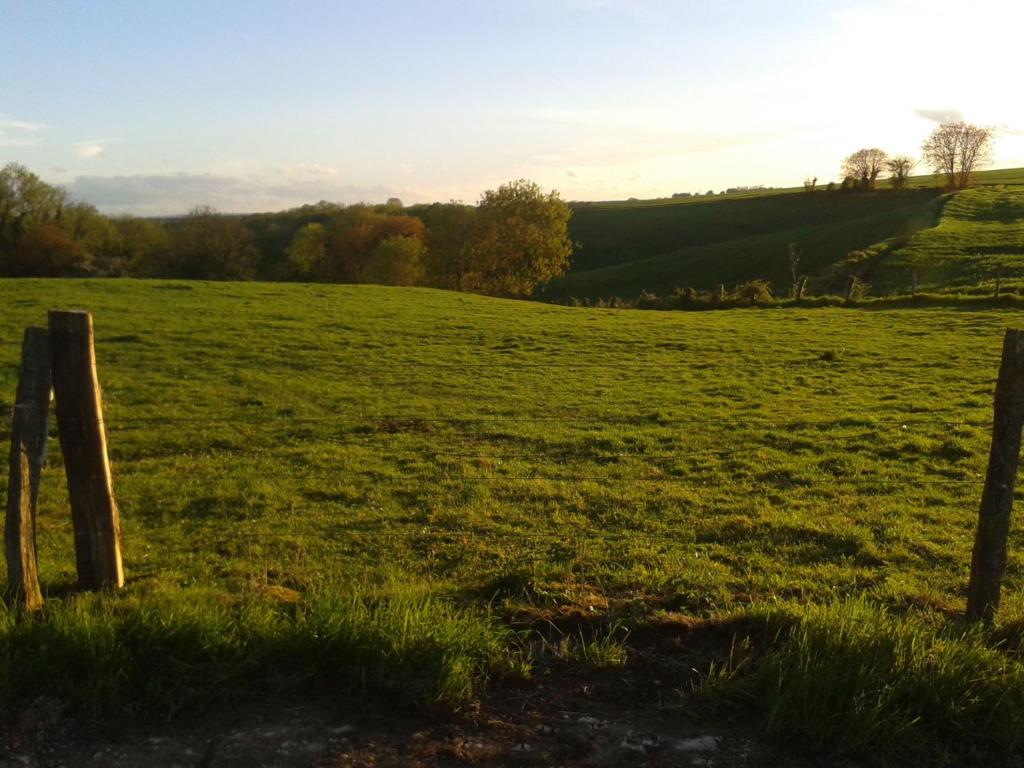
{"x": 658, "y": 245}
{"x": 979, "y": 237}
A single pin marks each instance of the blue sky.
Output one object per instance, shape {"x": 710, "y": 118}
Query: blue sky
{"x": 152, "y": 107}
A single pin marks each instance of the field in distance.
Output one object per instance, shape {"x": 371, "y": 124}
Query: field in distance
{"x": 524, "y": 463}
{"x": 699, "y": 242}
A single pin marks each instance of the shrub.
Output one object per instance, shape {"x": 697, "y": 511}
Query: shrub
{"x": 754, "y": 292}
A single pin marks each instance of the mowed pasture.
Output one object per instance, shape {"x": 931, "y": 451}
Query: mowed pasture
{"x": 334, "y": 476}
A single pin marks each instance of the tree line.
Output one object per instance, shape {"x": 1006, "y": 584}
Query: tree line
{"x": 513, "y": 240}
{"x": 954, "y": 151}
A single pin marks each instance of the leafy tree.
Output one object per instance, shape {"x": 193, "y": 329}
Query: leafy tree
{"x": 520, "y": 240}
{"x": 45, "y": 250}
{"x": 41, "y": 231}
{"x": 957, "y": 150}
{"x": 308, "y": 251}
{"x": 354, "y": 233}
{"x": 144, "y": 247}
{"x": 449, "y": 254}
{"x": 210, "y": 246}
{"x": 864, "y": 167}
{"x": 397, "y": 260}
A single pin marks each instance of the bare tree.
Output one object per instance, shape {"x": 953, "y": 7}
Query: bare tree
{"x": 956, "y": 150}
{"x": 900, "y": 167}
{"x": 864, "y": 166}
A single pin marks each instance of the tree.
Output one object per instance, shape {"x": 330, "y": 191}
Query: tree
{"x": 956, "y": 150}
{"x": 45, "y": 250}
{"x": 520, "y": 240}
{"x": 900, "y": 167}
{"x": 396, "y": 260}
{"x": 810, "y": 183}
{"x": 209, "y": 246}
{"x": 864, "y": 166}
{"x": 449, "y": 254}
{"x": 144, "y": 247}
{"x": 308, "y": 251}
{"x": 41, "y": 231}
{"x": 354, "y": 233}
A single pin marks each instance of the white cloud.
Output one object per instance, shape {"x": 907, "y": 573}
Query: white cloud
{"x": 176, "y": 193}
{"x": 89, "y": 150}
{"x": 18, "y": 133}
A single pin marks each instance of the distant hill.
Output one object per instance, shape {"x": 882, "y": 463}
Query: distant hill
{"x": 699, "y": 242}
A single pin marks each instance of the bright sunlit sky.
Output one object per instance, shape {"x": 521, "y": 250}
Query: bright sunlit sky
{"x": 153, "y": 107}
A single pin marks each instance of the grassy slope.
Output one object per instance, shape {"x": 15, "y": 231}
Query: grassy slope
{"x": 698, "y": 242}
{"x": 980, "y": 235}
{"x": 270, "y": 437}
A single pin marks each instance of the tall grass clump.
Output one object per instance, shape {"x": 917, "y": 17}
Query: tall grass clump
{"x": 854, "y": 678}
{"x": 101, "y": 654}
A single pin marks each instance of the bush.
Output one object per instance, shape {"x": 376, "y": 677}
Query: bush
{"x": 754, "y": 292}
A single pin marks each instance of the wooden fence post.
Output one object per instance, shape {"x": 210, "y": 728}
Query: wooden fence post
{"x": 84, "y": 445}
{"x": 28, "y": 452}
{"x": 801, "y": 286}
{"x": 913, "y": 284}
{"x": 851, "y": 285}
{"x": 988, "y": 561}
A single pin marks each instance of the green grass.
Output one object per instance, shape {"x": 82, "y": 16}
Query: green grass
{"x": 980, "y": 236}
{"x": 281, "y": 448}
{"x": 658, "y": 245}
{"x": 860, "y": 680}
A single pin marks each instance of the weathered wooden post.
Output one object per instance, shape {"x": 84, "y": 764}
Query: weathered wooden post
{"x": 989, "y": 559}
{"x": 913, "y": 284}
{"x": 28, "y": 452}
{"x": 851, "y": 286}
{"x": 720, "y": 292}
{"x": 84, "y": 445}
{"x": 801, "y": 286}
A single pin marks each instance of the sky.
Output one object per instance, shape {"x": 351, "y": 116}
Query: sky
{"x": 154, "y": 107}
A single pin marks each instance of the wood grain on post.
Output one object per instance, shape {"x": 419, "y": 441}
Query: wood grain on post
{"x": 988, "y": 561}
{"x": 83, "y": 442}
{"x": 28, "y": 452}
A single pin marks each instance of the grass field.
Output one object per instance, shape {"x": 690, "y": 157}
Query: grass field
{"x": 391, "y": 484}
{"x": 980, "y": 236}
{"x": 626, "y": 248}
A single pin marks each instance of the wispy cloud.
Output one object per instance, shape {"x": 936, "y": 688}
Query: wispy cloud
{"x": 89, "y": 150}
{"x": 19, "y": 133}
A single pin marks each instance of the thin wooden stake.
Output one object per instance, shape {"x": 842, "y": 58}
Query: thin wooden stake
{"x": 913, "y": 285}
{"x": 84, "y": 445}
{"x": 989, "y": 558}
{"x": 28, "y": 452}
{"x": 801, "y": 286}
